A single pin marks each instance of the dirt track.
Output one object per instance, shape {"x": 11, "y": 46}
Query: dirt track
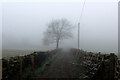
{"x": 61, "y": 67}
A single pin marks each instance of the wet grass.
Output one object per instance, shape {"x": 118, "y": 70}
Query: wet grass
{"x": 29, "y": 73}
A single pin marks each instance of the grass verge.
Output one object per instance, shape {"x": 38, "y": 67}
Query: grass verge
{"x": 31, "y": 73}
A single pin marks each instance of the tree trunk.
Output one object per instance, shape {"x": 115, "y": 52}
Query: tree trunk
{"x": 57, "y": 46}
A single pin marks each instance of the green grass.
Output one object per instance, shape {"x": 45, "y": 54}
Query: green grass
{"x": 30, "y": 73}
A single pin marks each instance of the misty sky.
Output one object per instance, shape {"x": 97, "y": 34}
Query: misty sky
{"x": 24, "y": 24}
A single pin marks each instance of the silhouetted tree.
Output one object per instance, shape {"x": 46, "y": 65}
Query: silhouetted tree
{"x": 57, "y": 30}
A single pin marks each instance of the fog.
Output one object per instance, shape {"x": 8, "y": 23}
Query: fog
{"x": 24, "y": 25}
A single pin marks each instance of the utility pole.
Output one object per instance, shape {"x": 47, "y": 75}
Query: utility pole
{"x": 78, "y": 34}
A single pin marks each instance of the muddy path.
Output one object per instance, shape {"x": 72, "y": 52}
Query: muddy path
{"x": 61, "y": 67}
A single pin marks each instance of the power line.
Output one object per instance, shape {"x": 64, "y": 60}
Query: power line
{"x": 80, "y": 21}
{"x": 82, "y": 10}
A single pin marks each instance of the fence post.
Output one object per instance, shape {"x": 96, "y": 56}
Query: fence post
{"x": 32, "y": 60}
{"x": 21, "y": 59}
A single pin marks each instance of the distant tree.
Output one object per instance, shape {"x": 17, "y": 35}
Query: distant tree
{"x": 57, "y": 30}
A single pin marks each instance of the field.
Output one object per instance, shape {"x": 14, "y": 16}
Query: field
{"x": 10, "y": 53}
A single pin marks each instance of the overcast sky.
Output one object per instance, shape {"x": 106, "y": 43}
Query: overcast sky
{"x": 24, "y": 24}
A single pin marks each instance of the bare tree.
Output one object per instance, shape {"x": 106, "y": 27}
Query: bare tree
{"x": 57, "y": 30}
